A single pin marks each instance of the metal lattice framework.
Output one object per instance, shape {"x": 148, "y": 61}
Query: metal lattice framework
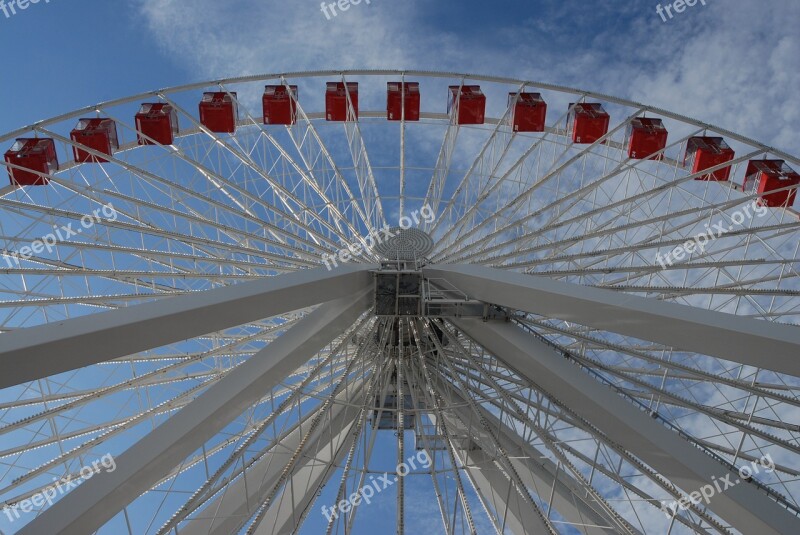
{"x": 549, "y": 372}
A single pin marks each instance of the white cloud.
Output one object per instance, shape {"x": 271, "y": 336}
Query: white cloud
{"x": 737, "y": 67}
{"x": 732, "y": 64}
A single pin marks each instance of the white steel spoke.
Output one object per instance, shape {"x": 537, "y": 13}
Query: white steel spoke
{"x": 578, "y": 338}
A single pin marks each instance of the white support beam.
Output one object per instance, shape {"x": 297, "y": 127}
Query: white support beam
{"x": 45, "y": 350}
{"x": 224, "y": 513}
{"x": 320, "y": 461}
{"x": 744, "y": 340}
{"x": 536, "y": 470}
{"x": 497, "y": 489}
{"x": 234, "y": 504}
{"x": 744, "y": 506}
{"x": 94, "y": 503}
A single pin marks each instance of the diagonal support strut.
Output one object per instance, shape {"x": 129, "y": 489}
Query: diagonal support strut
{"x": 96, "y": 501}
{"x": 747, "y": 341}
{"x": 743, "y": 505}
{"x": 45, "y": 350}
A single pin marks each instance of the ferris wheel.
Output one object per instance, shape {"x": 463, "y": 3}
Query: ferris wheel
{"x": 396, "y": 301}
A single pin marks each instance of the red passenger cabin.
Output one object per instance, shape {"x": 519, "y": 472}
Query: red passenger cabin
{"x": 466, "y": 104}
{"x": 157, "y": 124}
{"x": 706, "y": 152}
{"x": 587, "y": 122}
{"x": 97, "y": 134}
{"x": 528, "y": 112}
{"x": 402, "y": 96}
{"x": 764, "y": 176}
{"x": 645, "y": 137}
{"x": 279, "y": 104}
{"x": 336, "y": 101}
{"x": 218, "y": 112}
{"x": 32, "y": 154}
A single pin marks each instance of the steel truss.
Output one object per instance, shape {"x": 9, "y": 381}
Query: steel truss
{"x": 556, "y": 376}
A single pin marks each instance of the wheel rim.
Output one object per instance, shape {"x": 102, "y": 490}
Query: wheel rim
{"x": 214, "y": 210}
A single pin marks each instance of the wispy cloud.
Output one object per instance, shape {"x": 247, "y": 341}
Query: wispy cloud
{"x": 732, "y": 64}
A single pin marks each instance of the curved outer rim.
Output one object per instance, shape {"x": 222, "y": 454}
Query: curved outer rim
{"x": 429, "y": 74}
